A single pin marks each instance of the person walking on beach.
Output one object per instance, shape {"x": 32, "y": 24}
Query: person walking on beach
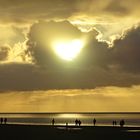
{"x": 122, "y": 123}
{"x": 76, "y": 122}
{"x": 94, "y": 121}
{"x": 79, "y": 122}
{"x": 53, "y": 121}
{"x": 114, "y": 122}
{"x": 1, "y": 120}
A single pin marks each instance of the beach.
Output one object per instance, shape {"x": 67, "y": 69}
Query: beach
{"x": 43, "y": 132}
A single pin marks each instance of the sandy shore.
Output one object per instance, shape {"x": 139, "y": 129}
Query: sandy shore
{"x": 38, "y": 132}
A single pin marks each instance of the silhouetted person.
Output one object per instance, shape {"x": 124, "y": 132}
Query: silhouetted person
{"x": 94, "y": 121}
{"x": 53, "y": 121}
{"x": 5, "y": 120}
{"x": 79, "y": 122}
{"x": 76, "y": 122}
{"x": 66, "y": 125}
{"x": 122, "y": 123}
{"x": 115, "y": 122}
{"x": 1, "y": 120}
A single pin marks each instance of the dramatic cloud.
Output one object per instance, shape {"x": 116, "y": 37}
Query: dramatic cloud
{"x": 44, "y": 35}
{"x": 97, "y": 65}
{"x": 13, "y": 44}
{"x": 126, "y": 51}
{"x": 110, "y": 57}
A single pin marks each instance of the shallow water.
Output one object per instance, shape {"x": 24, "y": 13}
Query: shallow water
{"x": 103, "y": 119}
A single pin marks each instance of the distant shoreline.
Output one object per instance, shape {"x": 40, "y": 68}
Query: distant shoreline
{"x": 102, "y": 118}
{"x": 70, "y": 125}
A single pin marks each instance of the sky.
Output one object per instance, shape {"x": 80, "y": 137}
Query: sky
{"x": 104, "y": 76}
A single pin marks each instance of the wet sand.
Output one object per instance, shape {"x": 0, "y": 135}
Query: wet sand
{"x": 40, "y": 132}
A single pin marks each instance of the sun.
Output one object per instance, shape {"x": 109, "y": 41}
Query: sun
{"x": 68, "y": 50}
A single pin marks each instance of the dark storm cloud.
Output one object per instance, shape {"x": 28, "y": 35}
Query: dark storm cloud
{"x": 94, "y": 53}
{"x": 127, "y": 51}
{"x": 22, "y": 77}
{"x": 96, "y": 66}
{"x": 123, "y": 56}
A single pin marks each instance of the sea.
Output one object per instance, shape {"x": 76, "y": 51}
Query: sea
{"x": 102, "y": 118}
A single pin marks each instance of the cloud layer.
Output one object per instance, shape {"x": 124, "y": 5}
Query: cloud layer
{"x": 105, "y": 76}
{"x": 29, "y": 29}
{"x": 32, "y": 9}
{"x": 108, "y": 99}
{"x": 97, "y": 65}
{"x": 111, "y": 18}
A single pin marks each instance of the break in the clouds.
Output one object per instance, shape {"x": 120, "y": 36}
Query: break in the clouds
{"x": 97, "y": 65}
{"x": 105, "y": 75}
{"x": 110, "y": 56}
{"x": 44, "y": 35}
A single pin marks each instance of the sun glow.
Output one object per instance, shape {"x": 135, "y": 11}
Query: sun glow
{"x": 68, "y": 50}
{"x": 70, "y": 116}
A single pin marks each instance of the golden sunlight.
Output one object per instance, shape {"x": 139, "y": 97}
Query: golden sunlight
{"x": 68, "y": 50}
{"x": 69, "y": 115}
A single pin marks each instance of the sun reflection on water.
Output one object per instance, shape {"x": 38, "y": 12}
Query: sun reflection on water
{"x": 70, "y": 115}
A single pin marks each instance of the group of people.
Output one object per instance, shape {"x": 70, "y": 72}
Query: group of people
{"x": 3, "y": 120}
{"x": 122, "y": 122}
{"x": 78, "y": 122}
{"x": 114, "y": 123}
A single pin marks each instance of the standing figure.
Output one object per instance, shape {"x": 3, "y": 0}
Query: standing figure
{"x": 94, "y": 121}
{"x": 5, "y": 120}
{"x": 53, "y": 121}
{"x": 1, "y": 120}
{"x": 113, "y": 123}
{"x": 122, "y": 123}
{"x": 76, "y": 122}
{"x": 79, "y": 122}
